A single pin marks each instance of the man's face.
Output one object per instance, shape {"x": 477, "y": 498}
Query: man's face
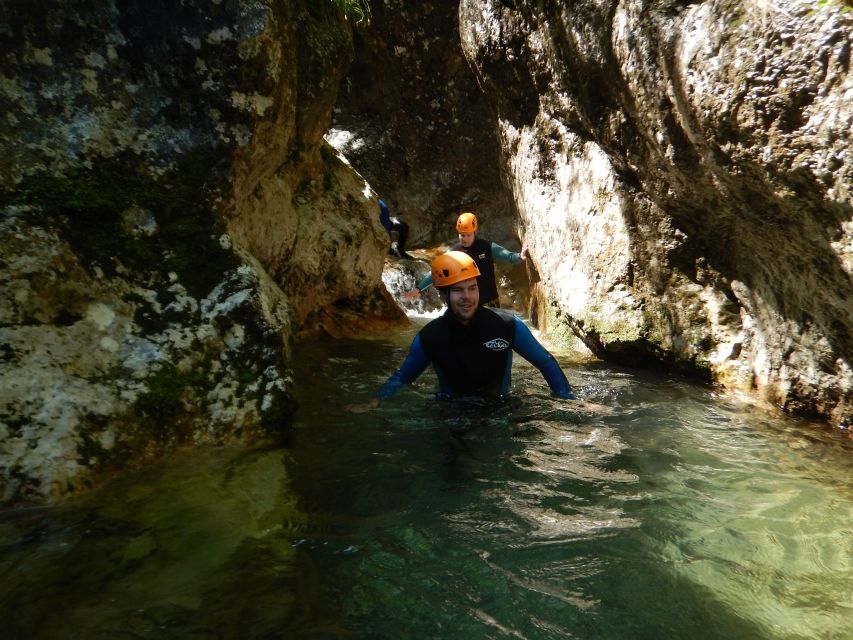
{"x": 463, "y": 299}
{"x": 466, "y": 239}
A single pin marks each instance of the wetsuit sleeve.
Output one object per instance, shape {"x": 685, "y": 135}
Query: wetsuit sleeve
{"x": 413, "y": 366}
{"x": 500, "y": 253}
{"x": 385, "y": 216}
{"x": 427, "y": 281}
{"x": 529, "y": 348}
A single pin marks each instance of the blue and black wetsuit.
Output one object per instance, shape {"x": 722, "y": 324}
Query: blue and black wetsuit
{"x": 476, "y": 359}
{"x": 394, "y": 225}
{"x": 481, "y": 252}
{"x": 484, "y": 253}
{"x": 385, "y": 216}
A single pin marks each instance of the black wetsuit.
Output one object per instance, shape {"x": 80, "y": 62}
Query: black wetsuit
{"x": 481, "y": 252}
{"x": 392, "y": 226}
{"x": 476, "y": 359}
{"x": 473, "y": 358}
{"x": 484, "y": 253}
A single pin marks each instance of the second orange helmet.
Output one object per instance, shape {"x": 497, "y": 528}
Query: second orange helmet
{"x": 466, "y": 223}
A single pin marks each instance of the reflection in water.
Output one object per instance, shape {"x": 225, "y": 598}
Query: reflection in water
{"x": 675, "y": 515}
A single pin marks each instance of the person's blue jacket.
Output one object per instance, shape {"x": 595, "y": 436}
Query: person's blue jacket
{"x": 385, "y": 216}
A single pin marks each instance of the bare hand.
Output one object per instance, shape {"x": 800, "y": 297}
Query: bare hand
{"x": 414, "y": 294}
{"x": 523, "y": 252}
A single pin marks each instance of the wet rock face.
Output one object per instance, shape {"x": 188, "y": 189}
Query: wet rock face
{"x": 401, "y": 276}
{"x": 411, "y": 119}
{"x": 87, "y": 79}
{"x": 682, "y": 172}
{"x": 99, "y": 368}
{"x": 164, "y": 174}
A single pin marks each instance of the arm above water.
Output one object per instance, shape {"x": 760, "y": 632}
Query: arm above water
{"x": 413, "y": 366}
{"x": 529, "y": 348}
{"x": 505, "y": 255}
{"x": 419, "y": 288}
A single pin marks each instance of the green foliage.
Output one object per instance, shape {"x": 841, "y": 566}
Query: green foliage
{"x": 358, "y": 10}
{"x": 843, "y": 5}
{"x": 89, "y": 449}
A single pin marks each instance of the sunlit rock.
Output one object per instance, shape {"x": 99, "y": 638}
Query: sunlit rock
{"x": 401, "y": 276}
{"x": 412, "y": 120}
{"x": 682, "y": 174}
{"x": 172, "y": 218}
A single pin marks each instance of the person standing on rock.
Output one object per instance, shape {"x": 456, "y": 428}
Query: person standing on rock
{"x": 470, "y": 346}
{"x": 398, "y": 231}
{"x": 484, "y": 253}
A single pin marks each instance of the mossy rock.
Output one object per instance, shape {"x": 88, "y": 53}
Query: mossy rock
{"x": 86, "y": 205}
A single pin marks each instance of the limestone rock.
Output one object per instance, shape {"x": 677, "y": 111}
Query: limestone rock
{"x": 411, "y": 119}
{"x": 97, "y": 369}
{"x": 172, "y": 218}
{"x": 682, "y": 172}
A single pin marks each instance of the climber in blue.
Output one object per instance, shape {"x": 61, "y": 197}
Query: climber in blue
{"x": 484, "y": 252}
{"x": 397, "y": 230}
{"x": 470, "y": 347}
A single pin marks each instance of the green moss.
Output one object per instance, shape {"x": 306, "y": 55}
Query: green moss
{"x": 86, "y": 205}
{"x": 738, "y": 18}
{"x": 169, "y": 387}
{"x": 845, "y": 6}
{"x": 280, "y": 412}
{"x": 278, "y": 416}
{"x": 559, "y": 330}
{"x": 90, "y": 450}
{"x": 620, "y": 332}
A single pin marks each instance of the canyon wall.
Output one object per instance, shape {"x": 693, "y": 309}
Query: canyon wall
{"x": 682, "y": 173}
{"x": 411, "y": 118}
{"x": 171, "y": 218}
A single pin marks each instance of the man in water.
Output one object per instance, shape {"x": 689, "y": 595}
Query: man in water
{"x": 484, "y": 252}
{"x": 470, "y": 347}
{"x": 398, "y": 231}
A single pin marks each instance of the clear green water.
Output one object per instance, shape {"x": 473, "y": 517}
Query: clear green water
{"x": 677, "y": 515}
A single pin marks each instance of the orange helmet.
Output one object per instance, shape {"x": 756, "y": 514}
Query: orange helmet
{"x": 466, "y": 223}
{"x": 452, "y": 267}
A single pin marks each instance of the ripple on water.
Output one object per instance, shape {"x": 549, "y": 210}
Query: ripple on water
{"x": 675, "y": 515}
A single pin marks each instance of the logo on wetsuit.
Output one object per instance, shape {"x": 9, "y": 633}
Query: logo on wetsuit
{"x": 498, "y": 344}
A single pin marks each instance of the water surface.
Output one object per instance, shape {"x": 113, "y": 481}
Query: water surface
{"x": 676, "y": 514}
